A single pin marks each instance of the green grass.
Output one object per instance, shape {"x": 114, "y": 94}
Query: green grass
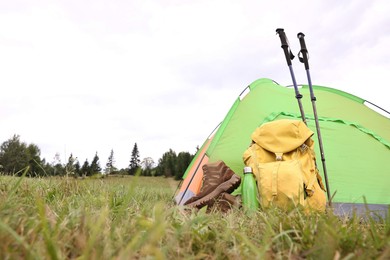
{"x": 135, "y": 218}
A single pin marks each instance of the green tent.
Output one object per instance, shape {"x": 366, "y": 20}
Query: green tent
{"x": 356, "y": 140}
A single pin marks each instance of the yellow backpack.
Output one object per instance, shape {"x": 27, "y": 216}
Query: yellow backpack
{"x": 282, "y": 158}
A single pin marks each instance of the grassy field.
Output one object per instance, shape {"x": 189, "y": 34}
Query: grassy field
{"x": 135, "y": 218}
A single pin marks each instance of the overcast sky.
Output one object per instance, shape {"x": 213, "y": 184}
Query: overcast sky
{"x": 83, "y": 77}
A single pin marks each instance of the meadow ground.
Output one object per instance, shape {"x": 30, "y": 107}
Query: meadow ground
{"x": 135, "y": 218}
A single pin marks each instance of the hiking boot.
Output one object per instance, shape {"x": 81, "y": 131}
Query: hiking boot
{"x": 224, "y": 203}
{"x": 217, "y": 178}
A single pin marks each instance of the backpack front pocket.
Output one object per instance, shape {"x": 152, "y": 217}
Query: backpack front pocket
{"x": 281, "y": 183}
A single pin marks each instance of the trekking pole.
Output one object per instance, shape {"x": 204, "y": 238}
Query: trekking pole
{"x": 289, "y": 57}
{"x": 303, "y": 57}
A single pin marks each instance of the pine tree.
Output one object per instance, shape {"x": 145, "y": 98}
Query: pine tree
{"x": 85, "y": 169}
{"x": 77, "y": 169}
{"x": 95, "y": 165}
{"x": 70, "y": 166}
{"x": 110, "y": 168}
{"x": 134, "y": 161}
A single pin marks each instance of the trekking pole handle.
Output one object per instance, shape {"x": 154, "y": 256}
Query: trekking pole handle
{"x": 285, "y": 45}
{"x": 304, "y": 59}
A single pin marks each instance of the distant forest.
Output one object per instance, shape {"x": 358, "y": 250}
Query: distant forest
{"x": 19, "y": 158}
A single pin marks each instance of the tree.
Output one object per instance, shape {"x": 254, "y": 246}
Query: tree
{"x": 34, "y": 160}
{"x": 77, "y": 169}
{"x": 13, "y": 157}
{"x": 85, "y": 169}
{"x": 16, "y": 156}
{"x": 167, "y": 164}
{"x": 147, "y": 165}
{"x": 56, "y": 168}
{"x": 183, "y": 160}
{"x": 110, "y": 168}
{"x": 134, "y": 161}
{"x": 172, "y": 165}
{"x": 95, "y": 165}
{"x": 70, "y": 165}
{"x": 56, "y": 159}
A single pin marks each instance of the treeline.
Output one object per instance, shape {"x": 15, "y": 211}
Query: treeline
{"x": 18, "y": 158}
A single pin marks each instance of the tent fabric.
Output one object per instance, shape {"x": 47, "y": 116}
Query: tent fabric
{"x": 356, "y": 139}
{"x": 194, "y": 174}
